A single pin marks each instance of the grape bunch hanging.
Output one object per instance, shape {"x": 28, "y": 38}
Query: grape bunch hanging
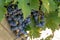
{"x": 17, "y": 22}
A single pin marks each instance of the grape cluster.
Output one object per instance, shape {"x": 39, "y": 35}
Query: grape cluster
{"x": 41, "y": 16}
{"x": 16, "y": 21}
{"x": 36, "y": 15}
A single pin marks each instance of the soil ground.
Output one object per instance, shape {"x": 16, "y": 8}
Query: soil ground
{"x": 5, "y": 32}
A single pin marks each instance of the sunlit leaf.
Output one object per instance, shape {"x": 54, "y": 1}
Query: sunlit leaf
{"x": 2, "y": 9}
{"x": 34, "y": 4}
{"x": 25, "y": 8}
{"x": 59, "y": 12}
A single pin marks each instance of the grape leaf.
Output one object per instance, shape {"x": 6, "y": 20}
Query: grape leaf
{"x": 46, "y": 4}
{"x": 34, "y": 4}
{"x": 59, "y": 12}
{"x": 7, "y": 1}
{"x": 34, "y": 31}
{"x": 43, "y": 9}
{"x": 2, "y": 9}
{"x": 2, "y": 12}
{"x": 25, "y": 8}
{"x": 50, "y": 5}
{"x": 52, "y": 21}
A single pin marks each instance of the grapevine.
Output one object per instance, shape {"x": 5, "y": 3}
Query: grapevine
{"x": 30, "y": 15}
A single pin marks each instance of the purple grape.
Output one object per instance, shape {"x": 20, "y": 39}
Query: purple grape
{"x": 42, "y": 17}
{"x": 9, "y": 10}
{"x": 41, "y": 24}
{"x": 13, "y": 23}
{"x": 35, "y": 15}
{"x": 28, "y": 19}
{"x": 36, "y": 18}
{"x": 23, "y": 32}
{"x": 20, "y": 27}
{"x": 14, "y": 28}
{"x": 23, "y": 25}
{"x": 9, "y": 18}
{"x": 11, "y": 7}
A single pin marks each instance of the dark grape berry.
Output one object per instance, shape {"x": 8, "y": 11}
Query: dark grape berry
{"x": 28, "y": 19}
{"x": 35, "y": 16}
{"x": 20, "y": 27}
{"x": 23, "y": 32}
{"x": 42, "y": 17}
{"x": 23, "y": 25}
{"x": 9, "y": 10}
{"x": 41, "y": 24}
{"x": 12, "y": 23}
{"x": 13, "y": 28}
{"x": 11, "y": 7}
{"x": 9, "y": 18}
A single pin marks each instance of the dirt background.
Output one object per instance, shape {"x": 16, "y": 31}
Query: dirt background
{"x": 5, "y": 32}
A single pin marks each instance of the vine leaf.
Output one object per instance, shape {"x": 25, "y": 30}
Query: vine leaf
{"x": 7, "y": 1}
{"x": 50, "y": 5}
{"x": 46, "y": 4}
{"x": 26, "y": 9}
{"x": 59, "y": 11}
{"x": 2, "y": 9}
{"x": 34, "y": 4}
{"x": 34, "y": 30}
{"x": 52, "y": 21}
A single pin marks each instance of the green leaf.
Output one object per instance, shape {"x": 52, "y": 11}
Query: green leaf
{"x": 2, "y": 9}
{"x": 25, "y": 8}
{"x": 34, "y": 4}
{"x": 46, "y": 4}
{"x": 34, "y": 31}
{"x": 59, "y": 12}
{"x": 2, "y": 2}
{"x": 43, "y": 9}
{"x": 52, "y": 21}
{"x": 7, "y": 1}
{"x": 50, "y": 5}
{"x": 2, "y": 12}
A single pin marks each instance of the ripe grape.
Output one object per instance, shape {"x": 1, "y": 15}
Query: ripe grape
{"x": 28, "y": 19}
{"x": 23, "y": 32}
{"x": 35, "y": 16}
{"x": 13, "y": 28}
{"x": 41, "y": 24}
{"x": 42, "y": 17}
{"x": 9, "y": 18}
{"x": 20, "y": 27}
{"x": 12, "y": 23}
{"x": 12, "y": 7}
{"x": 9, "y": 10}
